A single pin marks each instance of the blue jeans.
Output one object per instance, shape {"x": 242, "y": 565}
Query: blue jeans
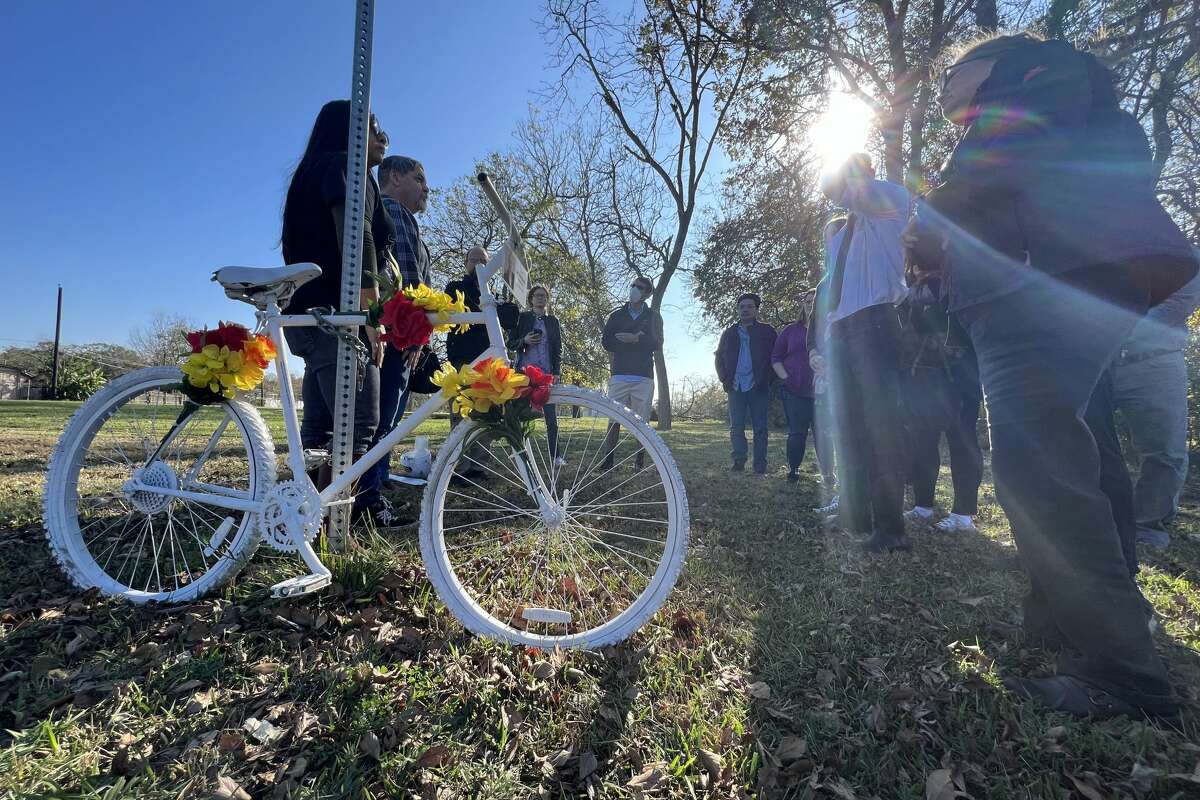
{"x": 1152, "y": 395}
{"x": 1044, "y": 351}
{"x": 551, "y": 415}
{"x": 864, "y": 372}
{"x": 752, "y": 404}
{"x": 393, "y": 400}
{"x": 800, "y": 417}
{"x": 319, "y": 351}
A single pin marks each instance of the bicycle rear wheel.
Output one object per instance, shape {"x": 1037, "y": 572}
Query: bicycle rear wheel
{"x": 138, "y": 543}
{"x": 586, "y": 569}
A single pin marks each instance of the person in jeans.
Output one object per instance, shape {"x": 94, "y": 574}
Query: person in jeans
{"x": 632, "y": 335}
{"x": 789, "y": 359}
{"x": 941, "y": 395}
{"x": 1150, "y": 386}
{"x": 744, "y": 369}
{"x": 313, "y": 216}
{"x": 405, "y": 194}
{"x": 857, "y": 306}
{"x": 1053, "y": 245}
{"x": 537, "y": 341}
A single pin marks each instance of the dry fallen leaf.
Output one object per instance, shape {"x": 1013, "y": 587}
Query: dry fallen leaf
{"x": 434, "y": 757}
{"x": 264, "y": 668}
{"x": 228, "y": 742}
{"x": 587, "y": 764}
{"x": 759, "y": 689}
{"x": 712, "y": 764}
{"x": 369, "y": 745}
{"x": 543, "y": 670}
{"x": 229, "y": 789}
{"x": 1057, "y": 733}
{"x": 647, "y": 779}
{"x": 939, "y": 785}
{"x": 791, "y": 748}
{"x": 1087, "y": 789}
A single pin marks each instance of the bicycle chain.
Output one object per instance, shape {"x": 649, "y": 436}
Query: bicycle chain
{"x": 346, "y": 335}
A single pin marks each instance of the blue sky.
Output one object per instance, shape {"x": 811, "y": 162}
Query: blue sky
{"x": 149, "y": 143}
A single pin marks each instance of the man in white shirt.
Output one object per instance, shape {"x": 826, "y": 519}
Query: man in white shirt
{"x": 862, "y": 333}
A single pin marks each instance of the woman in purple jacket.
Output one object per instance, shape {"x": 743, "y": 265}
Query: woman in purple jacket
{"x": 789, "y": 359}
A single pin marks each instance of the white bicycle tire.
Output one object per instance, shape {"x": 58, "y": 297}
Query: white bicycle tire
{"x": 59, "y": 513}
{"x": 475, "y": 618}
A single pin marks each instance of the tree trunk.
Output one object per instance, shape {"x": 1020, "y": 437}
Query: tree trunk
{"x": 664, "y": 392}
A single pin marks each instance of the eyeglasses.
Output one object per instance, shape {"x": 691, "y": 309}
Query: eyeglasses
{"x": 948, "y": 72}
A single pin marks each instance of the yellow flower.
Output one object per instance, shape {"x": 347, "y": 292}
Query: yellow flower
{"x": 440, "y": 304}
{"x": 223, "y": 371}
{"x": 451, "y": 380}
{"x": 495, "y": 383}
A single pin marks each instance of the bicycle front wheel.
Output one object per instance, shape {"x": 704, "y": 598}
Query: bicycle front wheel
{"x": 583, "y": 559}
{"x": 108, "y": 525}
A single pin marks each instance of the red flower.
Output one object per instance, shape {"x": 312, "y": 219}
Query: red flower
{"x": 538, "y": 397}
{"x": 538, "y": 377}
{"x": 406, "y": 323}
{"x": 227, "y": 334}
{"x": 538, "y": 390}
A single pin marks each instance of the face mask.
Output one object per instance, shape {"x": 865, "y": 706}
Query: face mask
{"x": 635, "y": 294}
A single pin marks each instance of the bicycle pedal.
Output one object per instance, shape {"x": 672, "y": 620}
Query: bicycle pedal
{"x": 315, "y": 458}
{"x": 302, "y": 584}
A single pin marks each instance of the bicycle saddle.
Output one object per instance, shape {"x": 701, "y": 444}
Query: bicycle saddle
{"x": 254, "y": 284}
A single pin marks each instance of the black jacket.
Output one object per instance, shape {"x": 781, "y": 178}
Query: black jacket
{"x": 464, "y": 348}
{"x": 762, "y": 342}
{"x": 636, "y": 358}
{"x": 1052, "y": 176}
{"x": 516, "y": 341}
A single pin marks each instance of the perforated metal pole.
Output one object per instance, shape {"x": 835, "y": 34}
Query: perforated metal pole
{"x": 356, "y": 182}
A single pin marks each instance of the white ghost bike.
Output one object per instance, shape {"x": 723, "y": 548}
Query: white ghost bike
{"x": 574, "y": 540}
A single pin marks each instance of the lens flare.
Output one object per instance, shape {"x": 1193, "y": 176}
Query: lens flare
{"x": 842, "y": 130}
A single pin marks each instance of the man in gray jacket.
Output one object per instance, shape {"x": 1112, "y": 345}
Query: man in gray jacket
{"x": 1150, "y": 388}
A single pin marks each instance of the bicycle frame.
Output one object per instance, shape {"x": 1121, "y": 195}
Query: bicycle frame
{"x": 274, "y": 322}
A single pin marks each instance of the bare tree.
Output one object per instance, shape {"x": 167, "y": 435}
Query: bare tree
{"x": 161, "y": 339}
{"x": 667, "y": 77}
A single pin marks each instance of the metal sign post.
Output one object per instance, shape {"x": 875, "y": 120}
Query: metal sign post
{"x": 352, "y": 244}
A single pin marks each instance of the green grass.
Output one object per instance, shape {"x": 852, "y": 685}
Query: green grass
{"x": 785, "y": 665}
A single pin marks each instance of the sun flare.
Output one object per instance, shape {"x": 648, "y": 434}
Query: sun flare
{"x": 842, "y": 130}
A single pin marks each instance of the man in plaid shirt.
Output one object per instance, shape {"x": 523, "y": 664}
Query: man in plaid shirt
{"x": 405, "y": 194}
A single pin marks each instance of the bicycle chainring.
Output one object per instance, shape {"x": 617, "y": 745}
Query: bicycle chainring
{"x": 291, "y": 512}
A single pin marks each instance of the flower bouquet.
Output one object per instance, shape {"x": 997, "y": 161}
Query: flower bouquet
{"x": 503, "y": 400}
{"x": 223, "y": 362}
{"x": 405, "y": 320}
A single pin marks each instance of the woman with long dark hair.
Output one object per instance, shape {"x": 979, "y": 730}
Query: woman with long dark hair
{"x": 313, "y": 217}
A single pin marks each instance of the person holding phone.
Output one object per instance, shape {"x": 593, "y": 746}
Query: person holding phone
{"x": 537, "y": 341}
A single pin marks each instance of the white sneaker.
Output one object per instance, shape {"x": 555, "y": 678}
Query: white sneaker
{"x": 919, "y": 514}
{"x": 956, "y": 523}
{"x": 560, "y": 462}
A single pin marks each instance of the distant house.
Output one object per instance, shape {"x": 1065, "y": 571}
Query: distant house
{"x": 17, "y": 384}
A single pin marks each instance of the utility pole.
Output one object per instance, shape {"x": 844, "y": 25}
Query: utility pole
{"x": 57, "y": 334}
